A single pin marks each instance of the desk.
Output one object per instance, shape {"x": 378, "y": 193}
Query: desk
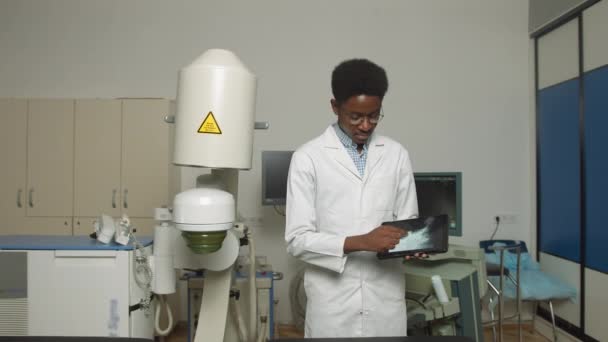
{"x": 69, "y": 339}
{"x": 382, "y": 339}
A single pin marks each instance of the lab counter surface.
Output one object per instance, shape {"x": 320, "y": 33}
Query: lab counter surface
{"x": 382, "y": 339}
{"x": 69, "y": 339}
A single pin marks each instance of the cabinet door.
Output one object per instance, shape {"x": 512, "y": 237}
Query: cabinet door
{"x": 145, "y": 156}
{"x": 13, "y": 142}
{"x": 97, "y": 137}
{"x": 83, "y": 225}
{"x": 50, "y": 158}
{"x": 143, "y": 226}
{"x": 46, "y": 226}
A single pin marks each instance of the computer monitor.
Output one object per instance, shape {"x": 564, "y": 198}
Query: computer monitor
{"x": 441, "y": 193}
{"x": 275, "y": 167}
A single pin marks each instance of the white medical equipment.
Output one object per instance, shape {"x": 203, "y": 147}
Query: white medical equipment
{"x": 214, "y": 129}
{"x": 73, "y": 286}
{"x": 107, "y": 229}
{"x": 62, "y": 276}
{"x": 453, "y": 307}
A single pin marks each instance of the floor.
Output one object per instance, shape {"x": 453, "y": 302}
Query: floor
{"x": 288, "y": 331}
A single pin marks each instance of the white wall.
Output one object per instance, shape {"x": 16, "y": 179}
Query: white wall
{"x": 458, "y": 73}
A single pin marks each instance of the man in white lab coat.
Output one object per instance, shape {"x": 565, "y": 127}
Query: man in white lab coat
{"x": 342, "y": 185}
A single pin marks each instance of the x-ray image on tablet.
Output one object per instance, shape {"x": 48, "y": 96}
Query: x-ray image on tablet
{"x": 424, "y": 235}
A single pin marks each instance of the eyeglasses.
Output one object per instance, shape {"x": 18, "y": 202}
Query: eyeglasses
{"x": 373, "y": 118}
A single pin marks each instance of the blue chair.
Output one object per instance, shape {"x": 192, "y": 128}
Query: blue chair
{"x": 506, "y": 257}
{"x": 498, "y": 269}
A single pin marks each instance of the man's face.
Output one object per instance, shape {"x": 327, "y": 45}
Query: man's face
{"x": 360, "y": 107}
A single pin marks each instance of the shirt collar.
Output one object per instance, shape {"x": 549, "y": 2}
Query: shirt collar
{"x": 345, "y": 139}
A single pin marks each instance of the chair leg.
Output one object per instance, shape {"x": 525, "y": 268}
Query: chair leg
{"x": 492, "y": 318}
{"x": 501, "y": 302}
{"x": 519, "y": 325}
{"x": 534, "y": 310}
{"x": 553, "y": 321}
{"x": 518, "y": 305}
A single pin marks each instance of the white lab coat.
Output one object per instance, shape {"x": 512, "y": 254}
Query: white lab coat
{"x": 327, "y": 200}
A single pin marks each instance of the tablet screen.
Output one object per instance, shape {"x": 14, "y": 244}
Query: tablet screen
{"x": 425, "y": 235}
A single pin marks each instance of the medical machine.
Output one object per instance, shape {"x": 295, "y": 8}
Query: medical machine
{"x": 444, "y": 292}
{"x": 108, "y": 286}
{"x": 74, "y": 286}
{"x": 214, "y": 127}
{"x": 441, "y": 193}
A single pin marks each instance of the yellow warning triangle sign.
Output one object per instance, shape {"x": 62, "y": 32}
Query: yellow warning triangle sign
{"x": 210, "y": 125}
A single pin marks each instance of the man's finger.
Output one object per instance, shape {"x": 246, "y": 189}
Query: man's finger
{"x": 394, "y": 230}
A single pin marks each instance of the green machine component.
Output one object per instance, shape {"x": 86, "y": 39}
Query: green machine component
{"x": 463, "y": 275}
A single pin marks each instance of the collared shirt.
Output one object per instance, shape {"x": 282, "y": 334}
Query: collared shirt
{"x": 358, "y": 158}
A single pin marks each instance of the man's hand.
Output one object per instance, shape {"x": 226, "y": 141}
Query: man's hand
{"x": 381, "y": 239}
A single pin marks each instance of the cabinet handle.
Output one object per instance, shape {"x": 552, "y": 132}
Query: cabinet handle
{"x": 125, "y": 204}
{"x": 113, "y": 198}
{"x": 19, "y": 192}
{"x": 31, "y": 198}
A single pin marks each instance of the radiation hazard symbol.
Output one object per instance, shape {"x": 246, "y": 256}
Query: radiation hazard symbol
{"x": 210, "y": 125}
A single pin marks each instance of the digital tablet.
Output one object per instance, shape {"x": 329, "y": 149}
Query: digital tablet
{"x": 424, "y": 235}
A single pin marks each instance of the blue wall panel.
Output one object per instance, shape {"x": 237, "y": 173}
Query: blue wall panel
{"x": 559, "y": 163}
{"x": 596, "y": 168}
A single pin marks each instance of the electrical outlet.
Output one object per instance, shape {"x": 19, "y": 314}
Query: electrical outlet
{"x": 506, "y": 218}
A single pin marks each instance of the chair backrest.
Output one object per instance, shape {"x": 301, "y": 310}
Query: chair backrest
{"x": 486, "y": 244}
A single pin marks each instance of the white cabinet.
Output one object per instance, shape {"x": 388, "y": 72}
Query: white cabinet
{"x": 13, "y": 142}
{"x": 97, "y": 139}
{"x": 122, "y": 161}
{"x": 144, "y": 226}
{"x": 65, "y": 162}
{"x": 145, "y": 156}
{"x": 31, "y": 138}
{"x": 45, "y": 226}
{"x": 50, "y": 158}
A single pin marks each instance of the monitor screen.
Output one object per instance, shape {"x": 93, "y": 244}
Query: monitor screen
{"x": 440, "y": 193}
{"x": 275, "y": 167}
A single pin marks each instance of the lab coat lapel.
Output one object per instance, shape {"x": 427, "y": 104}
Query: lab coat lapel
{"x": 374, "y": 155}
{"x": 334, "y": 147}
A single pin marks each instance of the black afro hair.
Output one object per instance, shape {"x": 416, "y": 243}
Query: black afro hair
{"x": 358, "y": 77}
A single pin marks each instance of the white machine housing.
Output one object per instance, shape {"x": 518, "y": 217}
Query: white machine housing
{"x": 203, "y": 210}
{"x": 217, "y": 83}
